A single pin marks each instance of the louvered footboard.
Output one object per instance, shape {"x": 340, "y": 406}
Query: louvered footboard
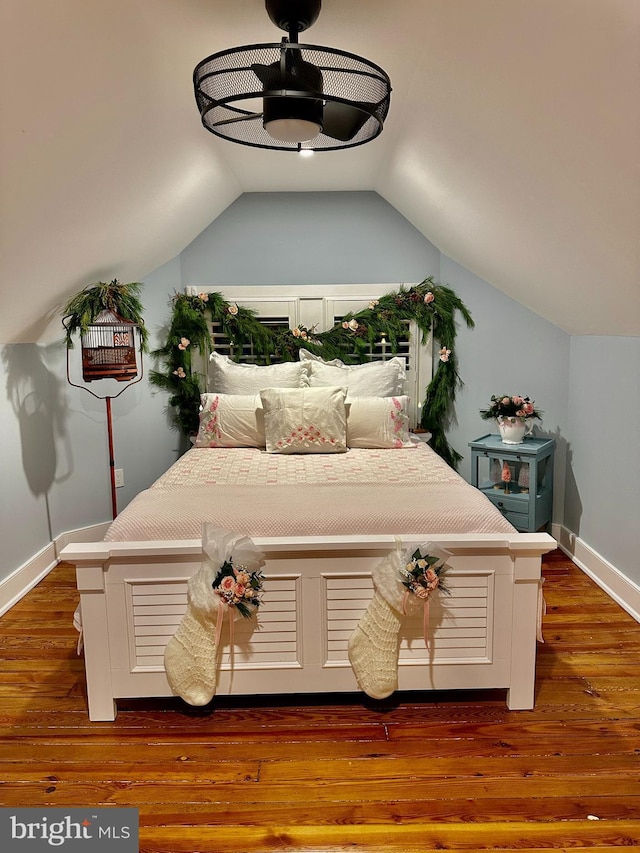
{"x": 483, "y": 635}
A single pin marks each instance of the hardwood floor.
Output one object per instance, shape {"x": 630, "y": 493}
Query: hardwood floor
{"x": 440, "y": 771}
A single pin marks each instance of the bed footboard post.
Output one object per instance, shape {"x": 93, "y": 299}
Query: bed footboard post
{"x": 97, "y": 654}
{"x": 524, "y": 632}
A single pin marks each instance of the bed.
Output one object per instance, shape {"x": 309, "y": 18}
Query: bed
{"x": 318, "y": 583}
{"x": 314, "y": 461}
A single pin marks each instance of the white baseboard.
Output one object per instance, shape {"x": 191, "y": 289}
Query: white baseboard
{"x": 25, "y": 577}
{"x": 94, "y": 533}
{"x": 617, "y": 586}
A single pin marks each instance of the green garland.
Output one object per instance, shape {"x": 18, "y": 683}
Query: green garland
{"x": 123, "y": 299}
{"x": 431, "y": 306}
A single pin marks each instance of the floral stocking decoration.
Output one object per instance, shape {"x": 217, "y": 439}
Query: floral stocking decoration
{"x": 402, "y": 583}
{"x": 228, "y": 581}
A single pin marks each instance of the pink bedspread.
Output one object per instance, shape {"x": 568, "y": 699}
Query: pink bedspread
{"x": 249, "y": 466}
{"x": 359, "y": 492}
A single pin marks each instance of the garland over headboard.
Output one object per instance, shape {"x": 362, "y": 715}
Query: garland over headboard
{"x": 430, "y": 305}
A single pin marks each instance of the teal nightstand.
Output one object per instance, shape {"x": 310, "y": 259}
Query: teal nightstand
{"x": 525, "y": 495}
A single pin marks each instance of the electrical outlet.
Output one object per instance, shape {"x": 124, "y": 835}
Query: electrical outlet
{"x": 119, "y": 477}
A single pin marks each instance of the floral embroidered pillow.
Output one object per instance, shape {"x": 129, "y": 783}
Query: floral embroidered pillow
{"x": 379, "y": 422}
{"x": 305, "y": 420}
{"x": 230, "y": 420}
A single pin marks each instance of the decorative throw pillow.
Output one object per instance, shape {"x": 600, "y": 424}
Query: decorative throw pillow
{"x": 305, "y": 420}
{"x": 229, "y": 377}
{"x": 231, "y": 420}
{"x": 373, "y": 379}
{"x": 381, "y": 422}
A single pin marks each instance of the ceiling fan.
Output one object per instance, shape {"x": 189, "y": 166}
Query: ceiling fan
{"x": 291, "y": 96}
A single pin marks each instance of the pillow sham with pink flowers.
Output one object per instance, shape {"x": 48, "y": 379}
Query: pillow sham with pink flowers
{"x": 230, "y": 420}
{"x": 378, "y": 422}
{"x": 305, "y": 420}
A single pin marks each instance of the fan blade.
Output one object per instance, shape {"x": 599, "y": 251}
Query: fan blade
{"x": 294, "y": 74}
{"x": 343, "y": 121}
{"x": 268, "y": 75}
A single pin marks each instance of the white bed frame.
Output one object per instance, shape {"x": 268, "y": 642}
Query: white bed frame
{"x": 133, "y": 594}
{"x": 483, "y": 635}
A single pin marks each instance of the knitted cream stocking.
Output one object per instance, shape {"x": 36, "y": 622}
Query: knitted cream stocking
{"x": 191, "y": 655}
{"x": 374, "y": 644}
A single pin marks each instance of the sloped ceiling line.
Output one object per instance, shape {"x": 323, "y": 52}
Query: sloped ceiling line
{"x": 511, "y": 144}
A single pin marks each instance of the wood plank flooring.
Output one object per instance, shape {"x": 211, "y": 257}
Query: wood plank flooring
{"x": 418, "y": 772}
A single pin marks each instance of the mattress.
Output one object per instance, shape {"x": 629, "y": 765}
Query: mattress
{"x": 246, "y": 490}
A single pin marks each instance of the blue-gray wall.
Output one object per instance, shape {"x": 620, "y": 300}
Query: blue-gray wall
{"x": 29, "y": 418}
{"x": 602, "y": 504}
{"x": 54, "y": 450}
{"x": 309, "y": 238}
{"x": 511, "y": 351}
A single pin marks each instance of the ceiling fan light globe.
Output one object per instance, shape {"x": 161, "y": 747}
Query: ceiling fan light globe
{"x": 292, "y": 129}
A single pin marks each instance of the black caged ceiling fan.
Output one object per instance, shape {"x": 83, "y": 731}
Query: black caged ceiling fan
{"x": 290, "y": 96}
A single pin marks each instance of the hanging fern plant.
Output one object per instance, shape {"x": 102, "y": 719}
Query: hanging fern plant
{"x": 431, "y": 306}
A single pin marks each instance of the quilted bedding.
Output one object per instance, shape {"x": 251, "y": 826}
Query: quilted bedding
{"x": 247, "y": 490}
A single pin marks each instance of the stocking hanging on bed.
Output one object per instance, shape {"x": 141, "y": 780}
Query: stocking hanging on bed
{"x": 228, "y": 582}
{"x": 403, "y": 583}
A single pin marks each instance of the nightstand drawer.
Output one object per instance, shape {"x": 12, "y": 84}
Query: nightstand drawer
{"x": 509, "y": 504}
{"x": 515, "y": 510}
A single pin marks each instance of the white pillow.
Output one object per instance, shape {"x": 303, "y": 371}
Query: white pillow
{"x": 381, "y": 422}
{"x": 228, "y": 377}
{"x": 373, "y": 379}
{"x": 231, "y": 420}
{"x": 305, "y": 420}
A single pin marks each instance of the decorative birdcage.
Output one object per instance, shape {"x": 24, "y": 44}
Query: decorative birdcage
{"x": 109, "y": 349}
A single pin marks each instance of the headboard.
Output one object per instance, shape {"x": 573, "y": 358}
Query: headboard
{"x": 322, "y": 306}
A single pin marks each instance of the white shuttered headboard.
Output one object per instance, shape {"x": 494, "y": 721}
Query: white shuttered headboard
{"x": 321, "y": 306}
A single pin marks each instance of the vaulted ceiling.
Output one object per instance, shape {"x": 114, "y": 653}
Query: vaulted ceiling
{"x": 512, "y": 143}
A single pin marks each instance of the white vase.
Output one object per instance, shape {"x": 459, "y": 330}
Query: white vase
{"x": 512, "y": 429}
